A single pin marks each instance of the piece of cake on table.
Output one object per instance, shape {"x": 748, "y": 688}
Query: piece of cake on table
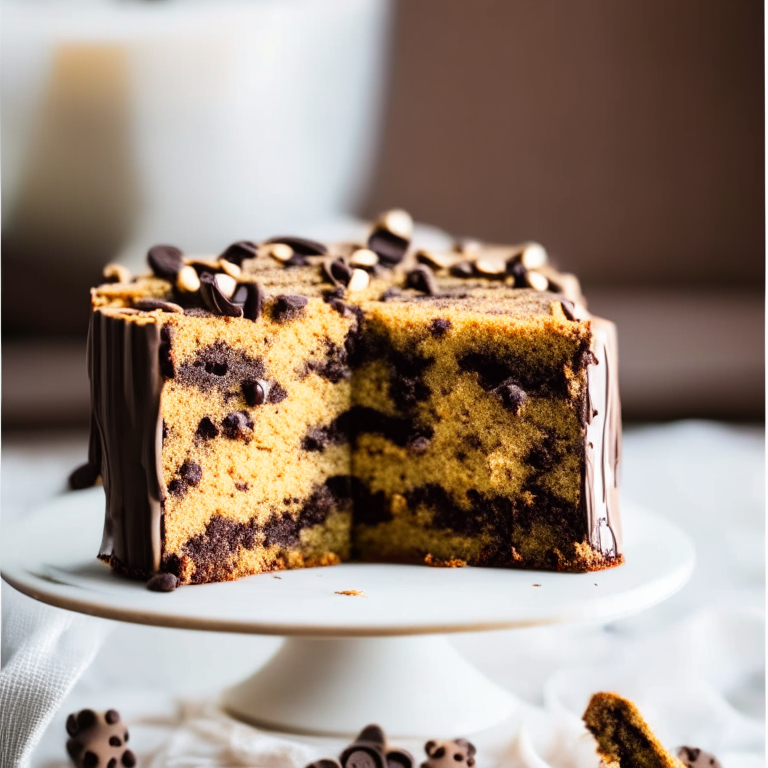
{"x": 625, "y": 740}
{"x": 291, "y": 403}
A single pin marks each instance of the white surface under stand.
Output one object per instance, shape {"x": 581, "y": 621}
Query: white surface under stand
{"x": 350, "y": 659}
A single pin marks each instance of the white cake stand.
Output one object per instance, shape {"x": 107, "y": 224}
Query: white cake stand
{"x": 350, "y": 659}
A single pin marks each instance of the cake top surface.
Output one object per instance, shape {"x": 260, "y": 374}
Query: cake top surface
{"x": 512, "y": 280}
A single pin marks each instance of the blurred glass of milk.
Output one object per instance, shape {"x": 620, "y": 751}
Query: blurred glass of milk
{"x": 202, "y": 121}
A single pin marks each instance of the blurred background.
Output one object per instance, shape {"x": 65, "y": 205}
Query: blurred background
{"x": 626, "y": 137}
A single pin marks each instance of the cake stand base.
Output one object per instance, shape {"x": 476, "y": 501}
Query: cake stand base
{"x": 416, "y": 685}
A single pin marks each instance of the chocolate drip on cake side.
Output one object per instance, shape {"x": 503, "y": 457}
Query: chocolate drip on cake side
{"x": 602, "y": 445}
{"x": 126, "y": 438}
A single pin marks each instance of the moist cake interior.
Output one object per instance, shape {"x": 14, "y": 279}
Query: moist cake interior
{"x": 452, "y": 461}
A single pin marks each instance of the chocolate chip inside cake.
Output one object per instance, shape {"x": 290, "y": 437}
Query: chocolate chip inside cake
{"x": 292, "y": 404}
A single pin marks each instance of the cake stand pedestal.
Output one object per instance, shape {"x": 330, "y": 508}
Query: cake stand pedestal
{"x": 365, "y": 642}
{"x": 415, "y": 685}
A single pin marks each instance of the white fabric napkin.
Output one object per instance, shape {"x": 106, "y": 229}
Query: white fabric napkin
{"x": 207, "y": 737}
{"x": 45, "y": 650}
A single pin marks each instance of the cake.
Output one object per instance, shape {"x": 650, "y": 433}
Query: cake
{"x": 624, "y": 739}
{"x": 292, "y": 403}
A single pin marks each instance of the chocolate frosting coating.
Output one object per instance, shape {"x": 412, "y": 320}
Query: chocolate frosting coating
{"x": 126, "y": 438}
{"x": 602, "y": 443}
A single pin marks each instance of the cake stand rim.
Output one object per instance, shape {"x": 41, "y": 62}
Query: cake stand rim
{"x": 654, "y": 590}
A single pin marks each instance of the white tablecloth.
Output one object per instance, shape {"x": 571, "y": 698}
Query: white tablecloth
{"x": 694, "y": 664}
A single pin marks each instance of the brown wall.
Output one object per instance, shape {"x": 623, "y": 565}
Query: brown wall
{"x": 626, "y": 135}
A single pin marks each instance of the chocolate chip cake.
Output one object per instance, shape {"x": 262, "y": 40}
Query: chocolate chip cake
{"x": 292, "y": 403}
